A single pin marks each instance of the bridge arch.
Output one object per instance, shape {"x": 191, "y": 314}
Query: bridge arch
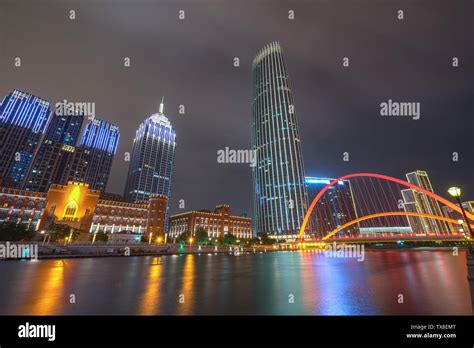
{"x": 378, "y": 176}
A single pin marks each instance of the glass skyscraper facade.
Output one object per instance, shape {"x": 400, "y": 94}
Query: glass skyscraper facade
{"x": 55, "y": 153}
{"x": 280, "y": 199}
{"x": 65, "y": 129}
{"x": 96, "y": 149}
{"x": 152, "y": 160}
{"x": 339, "y": 205}
{"x": 23, "y": 120}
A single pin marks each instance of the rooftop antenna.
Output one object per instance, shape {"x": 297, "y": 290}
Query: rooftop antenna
{"x": 162, "y": 106}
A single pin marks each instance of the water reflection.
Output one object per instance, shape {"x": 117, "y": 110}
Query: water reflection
{"x": 185, "y": 296}
{"x": 47, "y": 294}
{"x": 432, "y": 282}
{"x": 150, "y": 301}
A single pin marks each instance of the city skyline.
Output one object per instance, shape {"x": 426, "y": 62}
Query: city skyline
{"x": 326, "y": 120}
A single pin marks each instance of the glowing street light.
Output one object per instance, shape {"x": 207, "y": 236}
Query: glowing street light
{"x": 455, "y": 192}
{"x": 149, "y": 239}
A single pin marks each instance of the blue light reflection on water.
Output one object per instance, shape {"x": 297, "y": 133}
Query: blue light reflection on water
{"x": 288, "y": 283}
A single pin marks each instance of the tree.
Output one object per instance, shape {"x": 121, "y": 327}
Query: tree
{"x": 59, "y": 232}
{"x": 255, "y": 240}
{"x": 265, "y": 239}
{"x": 201, "y": 236}
{"x": 11, "y": 231}
{"x": 229, "y": 239}
{"x": 183, "y": 237}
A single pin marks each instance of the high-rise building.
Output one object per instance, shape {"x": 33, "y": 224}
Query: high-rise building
{"x": 54, "y": 153}
{"x": 339, "y": 202}
{"x": 96, "y": 150}
{"x": 415, "y": 201}
{"x": 409, "y": 205}
{"x": 452, "y": 214}
{"x": 280, "y": 201}
{"x": 65, "y": 129}
{"x": 152, "y": 160}
{"x": 23, "y": 120}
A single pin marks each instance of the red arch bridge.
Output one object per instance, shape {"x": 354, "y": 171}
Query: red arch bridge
{"x": 367, "y": 207}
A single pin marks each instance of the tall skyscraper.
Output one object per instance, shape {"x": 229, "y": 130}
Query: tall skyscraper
{"x": 55, "y": 152}
{"x": 280, "y": 201}
{"x": 23, "y": 120}
{"x": 65, "y": 129}
{"x": 97, "y": 149}
{"x": 152, "y": 160}
{"x": 419, "y": 202}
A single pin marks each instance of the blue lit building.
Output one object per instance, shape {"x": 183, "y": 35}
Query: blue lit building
{"x": 280, "y": 200}
{"x": 23, "y": 120}
{"x": 335, "y": 207}
{"x": 96, "y": 152}
{"x": 65, "y": 129}
{"x": 55, "y": 153}
{"x": 152, "y": 160}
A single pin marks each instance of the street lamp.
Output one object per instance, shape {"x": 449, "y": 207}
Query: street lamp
{"x": 455, "y": 192}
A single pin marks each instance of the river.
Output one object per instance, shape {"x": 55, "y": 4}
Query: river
{"x": 275, "y": 283}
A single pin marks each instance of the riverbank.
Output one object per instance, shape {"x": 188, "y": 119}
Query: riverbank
{"x": 60, "y": 251}
{"x": 89, "y": 250}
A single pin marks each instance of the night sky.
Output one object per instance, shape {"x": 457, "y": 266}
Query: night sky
{"x": 190, "y": 62}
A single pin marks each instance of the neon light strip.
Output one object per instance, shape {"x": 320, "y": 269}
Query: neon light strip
{"x": 379, "y": 176}
{"x": 390, "y": 213}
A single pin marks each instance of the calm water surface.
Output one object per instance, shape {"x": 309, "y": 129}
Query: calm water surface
{"x": 432, "y": 282}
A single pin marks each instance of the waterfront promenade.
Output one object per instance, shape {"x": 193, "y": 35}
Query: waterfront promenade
{"x": 75, "y": 250}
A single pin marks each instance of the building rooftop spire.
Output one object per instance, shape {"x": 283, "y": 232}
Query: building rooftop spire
{"x": 162, "y": 106}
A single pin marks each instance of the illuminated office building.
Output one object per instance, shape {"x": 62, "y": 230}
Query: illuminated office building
{"x": 452, "y": 214}
{"x": 415, "y": 201}
{"x": 23, "y": 120}
{"x": 96, "y": 151}
{"x": 339, "y": 202}
{"x": 55, "y": 153}
{"x": 59, "y": 159}
{"x": 280, "y": 201}
{"x": 152, "y": 160}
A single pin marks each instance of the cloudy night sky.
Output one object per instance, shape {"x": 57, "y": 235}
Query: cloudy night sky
{"x": 190, "y": 63}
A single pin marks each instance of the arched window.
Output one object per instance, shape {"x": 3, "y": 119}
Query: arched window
{"x": 70, "y": 211}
